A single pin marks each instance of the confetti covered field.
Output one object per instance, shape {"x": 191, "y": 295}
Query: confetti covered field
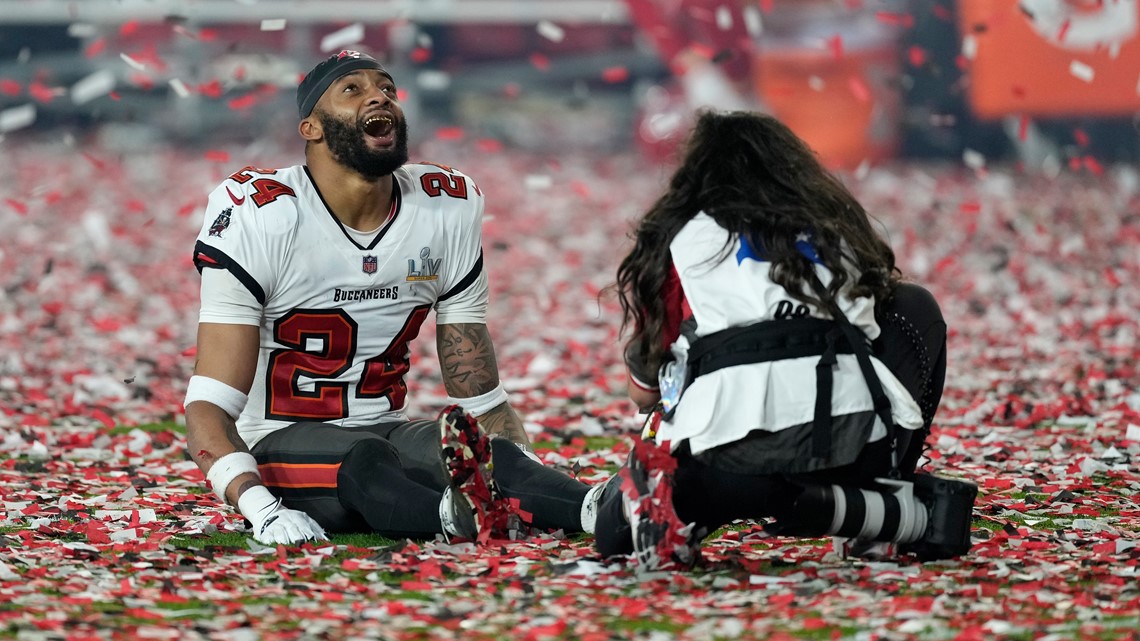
{"x": 106, "y": 531}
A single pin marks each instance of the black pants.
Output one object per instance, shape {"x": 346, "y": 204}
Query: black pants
{"x": 912, "y": 343}
{"x": 389, "y": 478}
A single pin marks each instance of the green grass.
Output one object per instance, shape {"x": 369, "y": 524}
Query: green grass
{"x": 593, "y": 443}
{"x": 169, "y": 426}
{"x": 240, "y": 540}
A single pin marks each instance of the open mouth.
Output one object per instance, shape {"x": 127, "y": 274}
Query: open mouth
{"x": 379, "y": 126}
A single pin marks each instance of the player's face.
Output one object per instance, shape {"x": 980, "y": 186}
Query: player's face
{"x": 364, "y": 125}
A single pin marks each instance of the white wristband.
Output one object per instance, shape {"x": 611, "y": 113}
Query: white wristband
{"x": 482, "y": 403}
{"x": 229, "y": 398}
{"x": 229, "y": 467}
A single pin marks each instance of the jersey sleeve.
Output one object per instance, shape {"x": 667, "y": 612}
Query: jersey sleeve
{"x": 225, "y": 300}
{"x": 465, "y": 291}
{"x": 232, "y": 239}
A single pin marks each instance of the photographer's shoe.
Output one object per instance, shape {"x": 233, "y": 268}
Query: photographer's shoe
{"x": 660, "y": 540}
{"x": 472, "y": 507}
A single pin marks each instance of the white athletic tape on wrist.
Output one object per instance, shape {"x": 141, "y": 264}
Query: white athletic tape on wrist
{"x": 229, "y": 467}
{"x": 203, "y": 388}
{"x": 482, "y": 403}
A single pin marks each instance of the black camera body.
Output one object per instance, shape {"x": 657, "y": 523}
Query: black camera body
{"x": 950, "y": 509}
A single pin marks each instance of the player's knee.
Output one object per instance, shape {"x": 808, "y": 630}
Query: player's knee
{"x": 367, "y": 454}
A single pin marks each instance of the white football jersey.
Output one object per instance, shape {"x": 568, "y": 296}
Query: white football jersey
{"x": 337, "y": 315}
{"x": 726, "y": 284}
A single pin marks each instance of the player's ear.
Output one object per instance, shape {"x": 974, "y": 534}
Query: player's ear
{"x": 310, "y": 128}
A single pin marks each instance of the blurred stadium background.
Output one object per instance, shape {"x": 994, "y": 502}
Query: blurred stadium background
{"x": 1046, "y": 82}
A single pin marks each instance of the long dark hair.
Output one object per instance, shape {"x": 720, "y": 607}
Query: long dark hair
{"x": 753, "y": 176}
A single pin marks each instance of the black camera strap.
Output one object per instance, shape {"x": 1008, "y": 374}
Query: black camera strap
{"x": 859, "y": 342}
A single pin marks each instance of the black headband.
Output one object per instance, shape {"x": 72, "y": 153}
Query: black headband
{"x": 324, "y": 74}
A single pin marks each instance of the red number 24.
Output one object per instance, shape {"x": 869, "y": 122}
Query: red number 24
{"x": 266, "y": 190}
{"x": 335, "y": 333}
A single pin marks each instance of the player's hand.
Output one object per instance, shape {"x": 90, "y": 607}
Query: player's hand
{"x": 273, "y": 523}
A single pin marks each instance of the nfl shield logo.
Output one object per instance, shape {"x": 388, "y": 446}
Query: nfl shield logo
{"x": 369, "y": 265}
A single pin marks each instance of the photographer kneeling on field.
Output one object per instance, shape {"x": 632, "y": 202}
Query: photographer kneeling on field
{"x": 795, "y": 375}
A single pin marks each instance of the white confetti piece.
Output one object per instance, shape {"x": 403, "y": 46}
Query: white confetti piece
{"x": 816, "y": 83}
{"x": 550, "y": 31}
{"x": 538, "y": 181}
{"x": 723, "y": 18}
{"x": 129, "y": 534}
{"x": 434, "y": 80}
{"x": 1090, "y": 466}
{"x": 82, "y": 30}
{"x": 145, "y": 515}
{"x": 273, "y": 24}
{"x": 93, "y": 86}
{"x": 969, "y": 47}
{"x": 973, "y": 159}
{"x": 341, "y": 38}
{"x": 1133, "y": 432}
{"x": 17, "y": 117}
{"x": 179, "y": 87}
{"x": 753, "y": 21}
{"x": 134, "y": 64}
{"x": 1081, "y": 71}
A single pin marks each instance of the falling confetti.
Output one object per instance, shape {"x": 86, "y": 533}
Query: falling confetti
{"x": 1081, "y": 71}
{"x": 341, "y": 38}
{"x": 273, "y": 24}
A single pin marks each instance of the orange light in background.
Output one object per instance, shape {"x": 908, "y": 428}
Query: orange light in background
{"x": 1052, "y": 57}
{"x": 842, "y": 106}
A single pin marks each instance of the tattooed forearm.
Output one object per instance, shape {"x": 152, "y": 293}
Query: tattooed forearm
{"x": 467, "y": 359}
{"x": 504, "y": 421}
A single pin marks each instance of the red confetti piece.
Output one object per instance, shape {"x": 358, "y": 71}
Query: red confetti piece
{"x": 95, "y": 48}
{"x": 212, "y": 89}
{"x": 859, "y": 88}
{"x": 450, "y": 133}
{"x": 540, "y": 61}
{"x": 242, "y": 102}
{"x": 895, "y": 19}
{"x": 420, "y": 55}
{"x": 17, "y": 206}
{"x": 835, "y": 46}
{"x": 916, "y": 55}
{"x": 615, "y": 74}
{"x": 1081, "y": 137}
{"x": 1022, "y": 128}
{"x": 129, "y": 28}
{"x": 41, "y": 92}
{"x": 489, "y": 145}
{"x": 217, "y": 155}
{"x": 10, "y": 87}
{"x": 1064, "y": 30}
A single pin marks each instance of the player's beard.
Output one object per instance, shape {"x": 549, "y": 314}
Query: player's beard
{"x": 346, "y": 141}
